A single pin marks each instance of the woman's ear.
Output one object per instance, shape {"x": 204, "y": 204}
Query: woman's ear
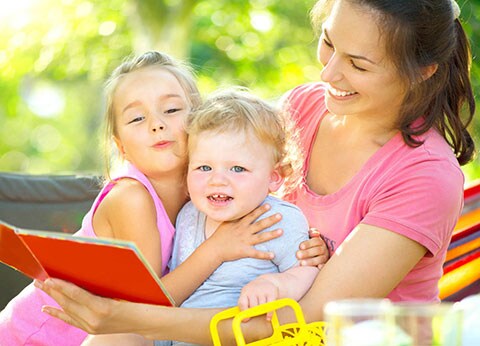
{"x": 429, "y": 71}
{"x": 276, "y": 179}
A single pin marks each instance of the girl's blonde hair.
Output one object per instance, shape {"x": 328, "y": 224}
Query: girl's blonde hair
{"x": 236, "y": 110}
{"x": 180, "y": 70}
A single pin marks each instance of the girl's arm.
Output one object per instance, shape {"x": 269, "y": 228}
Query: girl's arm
{"x": 231, "y": 241}
{"x": 369, "y": 263}
{"x": 128, "y": 213}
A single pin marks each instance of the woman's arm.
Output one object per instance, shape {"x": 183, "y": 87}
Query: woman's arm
{"x": 369, "y": 263}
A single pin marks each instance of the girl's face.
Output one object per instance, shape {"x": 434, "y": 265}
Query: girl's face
{"x": 361, "y": 78}
{"x": 230, "y": 173}
{"x": 150, "y": 106}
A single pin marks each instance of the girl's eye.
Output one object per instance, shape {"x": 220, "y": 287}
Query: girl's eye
{"x": 238, "y": 169}
{"x": 204, "y": 168}
{"x": 172, "y": 110}
{"x": 356, "y": 67}
{"x": 136, "y": 119}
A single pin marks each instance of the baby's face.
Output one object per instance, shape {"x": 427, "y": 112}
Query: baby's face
{"x": 229, "y": 173}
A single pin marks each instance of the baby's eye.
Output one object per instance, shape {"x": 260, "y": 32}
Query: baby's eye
{"x": 136, "y": 119}
{"x": 238, "y": 169}
{"x": 204, "y": 168}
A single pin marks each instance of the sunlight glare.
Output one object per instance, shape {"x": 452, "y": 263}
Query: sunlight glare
{"x": 9, "y": 8}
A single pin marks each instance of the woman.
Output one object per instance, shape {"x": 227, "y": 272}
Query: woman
{"x": 384, "y": 140}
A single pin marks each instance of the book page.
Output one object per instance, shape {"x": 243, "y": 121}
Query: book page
{"x": 14, "y": 253}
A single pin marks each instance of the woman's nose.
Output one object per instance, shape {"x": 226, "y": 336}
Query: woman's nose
{"x": 331, "y": 71}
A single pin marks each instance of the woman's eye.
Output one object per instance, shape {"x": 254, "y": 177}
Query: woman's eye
{"x": 356, "y": 67}
{"x": 238, "y": 169}
{"x": 204, "y": 168}
{"x": 328, "y": 44}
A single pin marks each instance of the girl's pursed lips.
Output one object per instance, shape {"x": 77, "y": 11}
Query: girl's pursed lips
{"x": 162, "y": 144}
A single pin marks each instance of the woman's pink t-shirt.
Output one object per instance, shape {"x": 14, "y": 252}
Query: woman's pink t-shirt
{"x": 23, "y": 323}
{"x": 415, "y": 192}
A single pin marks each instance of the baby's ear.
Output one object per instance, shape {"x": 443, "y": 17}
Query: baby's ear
{"x": 276, "y": 179}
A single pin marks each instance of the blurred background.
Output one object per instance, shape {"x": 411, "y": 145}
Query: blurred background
{"x": 56, "y": 54}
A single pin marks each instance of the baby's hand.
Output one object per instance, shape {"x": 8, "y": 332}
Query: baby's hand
{"x": 236, "y": 239}
{"x": 258, "y": 291}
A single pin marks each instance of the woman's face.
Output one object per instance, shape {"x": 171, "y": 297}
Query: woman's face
{"x": 361, "y": 79}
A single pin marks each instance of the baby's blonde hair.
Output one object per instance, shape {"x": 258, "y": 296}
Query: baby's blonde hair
{"x": 180, "y": 70}
{"x": 235, "y": 110}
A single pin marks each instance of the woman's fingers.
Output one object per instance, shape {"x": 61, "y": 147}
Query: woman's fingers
{"x": 313, "y": 252}
{"x": 317, "y": 261}
{"x": 80, "y": 308}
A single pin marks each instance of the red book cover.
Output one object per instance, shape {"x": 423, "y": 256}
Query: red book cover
{"x": 106, "y": 267}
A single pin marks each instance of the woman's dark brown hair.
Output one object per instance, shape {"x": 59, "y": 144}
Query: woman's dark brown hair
{"x": 418, "y": 34}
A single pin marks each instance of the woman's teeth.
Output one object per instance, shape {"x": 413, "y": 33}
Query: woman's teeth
{"x": 341, "y": 93}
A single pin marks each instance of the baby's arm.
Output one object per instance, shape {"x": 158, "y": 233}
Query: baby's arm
{"x": 231, "y": 241}
{"x": 292, "y": 280}
{"x": 292, "y": 283}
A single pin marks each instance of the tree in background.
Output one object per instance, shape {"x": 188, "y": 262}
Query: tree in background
{"x": 55, "y": 55}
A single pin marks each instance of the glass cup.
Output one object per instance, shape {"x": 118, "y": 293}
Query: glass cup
{"x": 427, "y": 324}
{"x": 359, "y": 322}
{"x": 470, "y": 307}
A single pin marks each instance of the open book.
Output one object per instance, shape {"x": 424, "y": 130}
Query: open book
{"x": 106, "y": 267}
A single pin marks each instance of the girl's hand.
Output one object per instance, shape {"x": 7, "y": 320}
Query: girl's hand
{"x": 79, "y": 308}
{"x": 235, "y": 239}
{"x": 313, "y": 252}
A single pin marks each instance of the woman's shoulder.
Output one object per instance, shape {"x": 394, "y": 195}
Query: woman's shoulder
{"x": 313, "y": 90}
{"x": 306, "y": 102}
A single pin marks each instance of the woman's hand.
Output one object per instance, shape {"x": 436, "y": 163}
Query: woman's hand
{"x": 313, "y": 252}
{"x": 81, "y": 309}
{"x": 235, "y": 239}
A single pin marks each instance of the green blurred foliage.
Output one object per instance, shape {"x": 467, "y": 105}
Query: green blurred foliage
{"x": 55, "y": 55}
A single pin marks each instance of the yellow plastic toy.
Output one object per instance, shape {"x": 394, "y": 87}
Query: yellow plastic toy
{"x": 291, "y": 334}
